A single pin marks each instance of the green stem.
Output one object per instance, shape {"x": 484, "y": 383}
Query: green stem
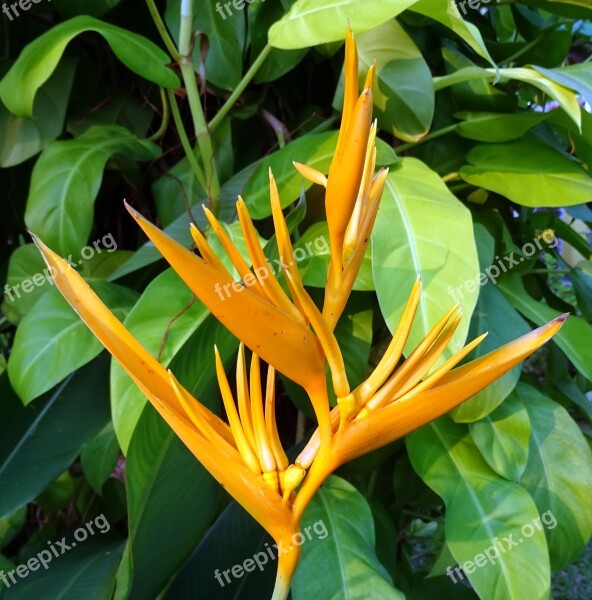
{"x": 281, "y": 588}
{"x": 185, "y": 141}
{"x": 164, "y": 34}
{"x": 431, "y": 136}
{"x": 240, "y": 88}
{"x": 166, "y": 113}
{"x": 202, "y": 133}
{"x": 525, "y": 48}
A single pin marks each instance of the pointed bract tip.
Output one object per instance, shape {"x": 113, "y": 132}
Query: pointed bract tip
{"x": 132, "y": 211}
{"x": 562, "y": 318}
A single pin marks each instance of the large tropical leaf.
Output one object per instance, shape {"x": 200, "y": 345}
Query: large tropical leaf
{"x": 340, "y": 561}
{"x": 39, "y": 59}
{"x": 423, "y": 229}
{"x": 490, "y": 522}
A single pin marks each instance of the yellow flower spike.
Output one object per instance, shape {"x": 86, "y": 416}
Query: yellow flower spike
{"x": 407, "y": 369}
{"x": 215, "y": 447}
{"x": 325, "y": 335}
{"x": 292, "y": 479}
{"x": 353, "y": 227}
{"x": 264, "y": 274}
{"x": 237, "y": 260}
{"x": 370, "y": 76}
{"x": 276, "y": 337}
{"x": 264, "y": 450}
{"x": 417, "y": 369}
{"x": 311, "y": 174}
{"x": 431, "y": 380}
{"x": 394, "y": 350}
{"x": 397, "y": 419}
{"x": 199, "y": 420}
{"x": 204, "y": 248}
{"x": 242, "y": 443}
{"x": 270, "y": 423}
{"x": 281, "y": 230}
{"x": 350, "y": 92}
{"x": 243, "y": 397}
{"x": 347, "y": 409}
{"x": 345, "y": 174}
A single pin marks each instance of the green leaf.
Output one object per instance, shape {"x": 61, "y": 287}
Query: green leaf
{"x": 558, "y": 475}
{"x": 527, "y": 172}
{"x": 86, "y": 571}
{"x": 472, "y": 88}
{"x": 213, "y": 556}
{"x": 66, "y": 180}
{"x": 502, "y": 438}
{"x": 343, "y": 563}
{"x": 574, "y": 338}
{"x": 25, "y": 264}
{"x": 11, "y": 525}
{"x": 44, "y": 438}
{"x": 482, "y": 511}
{"x": 447, "y": 13}
{"x": 157, "y": 495}
{"x": 162, "y": 320}
{"x": 496, "y": 127}
{"x": 495, "y": 315}
{"x": 39, "y": 59}
{"x": 52, "y": 341}
{"x": 20, "y": 139}
{"x": 562, "y": 95}
{"x": 99, "y": 457}
{"x": 403, "y": 90}
{"x": 422, "y": 228}
{"x": 225, "y": 34}
{"x": 315, "y": 22}
{"x": 574, "y": 77}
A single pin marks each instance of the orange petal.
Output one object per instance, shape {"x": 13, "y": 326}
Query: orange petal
{"x": 403, "y": 416}
{"x": 345, "y": 175}
{"x": 276, "y": 337}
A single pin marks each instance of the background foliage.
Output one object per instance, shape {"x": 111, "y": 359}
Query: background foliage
{"x": 484, "y": 118}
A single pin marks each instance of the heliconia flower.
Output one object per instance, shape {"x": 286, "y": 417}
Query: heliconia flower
{"x": 394, "y": 401}
{"x": 260, "y": 313}
{"x": 245, "y": 456}
{"x": 353, "y": 190}
{"x": 295, "y": 338}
